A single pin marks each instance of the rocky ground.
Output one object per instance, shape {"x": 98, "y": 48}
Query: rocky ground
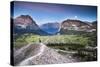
{"x": 37, "y": 54}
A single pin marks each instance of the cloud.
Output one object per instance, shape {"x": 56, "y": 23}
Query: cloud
{"x": 75, "y": 17}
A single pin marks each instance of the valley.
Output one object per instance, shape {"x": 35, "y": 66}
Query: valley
{"x": 82, "y": 48}
{"x": 70, "y": 41}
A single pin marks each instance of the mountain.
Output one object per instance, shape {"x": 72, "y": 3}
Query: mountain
{"x": 51, "y": 28}
{"x": 25, "y": 24}
{"x": 94, "y": 24}
{"x": 71, "y": 26}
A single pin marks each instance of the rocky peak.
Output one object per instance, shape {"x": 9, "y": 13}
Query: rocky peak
{"x": 71, "y": 22}
{"x": 24, "y": 20}
{"x": 26, "y": 24}
{"x": 76, "y": 26}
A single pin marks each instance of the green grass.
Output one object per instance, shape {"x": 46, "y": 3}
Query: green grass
{"x": 62, "y": 42}
{"x": 66, "y": 39}
{"x": 70, "y": 39}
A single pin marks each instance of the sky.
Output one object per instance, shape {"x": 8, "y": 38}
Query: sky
{"x": 44, "y": 12}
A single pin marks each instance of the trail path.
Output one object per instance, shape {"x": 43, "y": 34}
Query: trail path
{"x": 34, "y": 54}
{"x": 39, "y": 52}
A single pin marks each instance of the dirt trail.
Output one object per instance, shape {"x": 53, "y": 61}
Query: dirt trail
{"x": 34, "y": 54}
{"x": 39, "y": 52}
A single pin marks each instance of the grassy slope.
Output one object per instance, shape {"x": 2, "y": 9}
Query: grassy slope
{"x": 72, "y": 42}
{"x": 68, "y": 39}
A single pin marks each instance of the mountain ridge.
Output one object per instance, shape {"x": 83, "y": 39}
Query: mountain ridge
{"x": 51, "y": 27}
{"x": 25, "y": 24}
{"x": 76, "y": 26}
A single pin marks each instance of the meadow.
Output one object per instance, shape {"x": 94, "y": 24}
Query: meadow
{"x": 84, "y": 45}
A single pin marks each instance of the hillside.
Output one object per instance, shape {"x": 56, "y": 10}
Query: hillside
{"x": 70, "y": 26}
{"x": 51, "y": 27}
{"x": 33, "y": 54}
{"x": 25, "y": 24}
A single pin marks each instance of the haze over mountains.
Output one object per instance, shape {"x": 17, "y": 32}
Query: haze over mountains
{"x": 26, "y": 24}
{"x": 51, "y": 28}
